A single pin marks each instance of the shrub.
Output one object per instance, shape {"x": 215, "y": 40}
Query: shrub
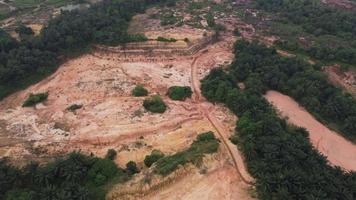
{"x": 34, "y": 99}
{"x": 206, "y": 143}
{"x": 104, "y": 167}
{"x": 74, "y": 107}
{"x": 100, "y": 179}
{"x": 131, "y": 167}
{"x": 162, "y": 39}
{"x": 207, "y": 136}
{"x": 155, "y": 104}
{"x": 139, "y": 91}
{"x": 179, "y": 93}
{"x": 111, "y": 154}
{"x": 153, "y": 157}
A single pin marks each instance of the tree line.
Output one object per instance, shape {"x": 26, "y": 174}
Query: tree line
{"x": 305, "y": 83}
{"x": 279, "y": 156}
{"x": 28, "y": 61}
{"x": 75, "y": 177}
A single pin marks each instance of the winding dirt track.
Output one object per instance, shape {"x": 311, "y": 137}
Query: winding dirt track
{"x": 204, "y": 107}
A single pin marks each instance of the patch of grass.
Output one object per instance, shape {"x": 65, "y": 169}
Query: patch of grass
{"x": 162, "y": 39}
{"x": 179, "y": 92}
{"x": 139, "y": 91}
{"x": 155, "y": 104}
{"x": 34, "y": 99}
{"x": 206, "y": 143}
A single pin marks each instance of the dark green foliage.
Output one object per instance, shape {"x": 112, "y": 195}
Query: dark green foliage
{"x": 206, "y": 143}
{"x": 332, "y": 30}
{"x": 179, "y": 92}
{"x": 153, "y": 157}
{"x": 261, "y": 67}
{"x": 24, "y": 31}
{"x": 131, "y": 167}
{"x": 210, "y": 20}
{"x": 34, "y": 99}
{"x": 139, "y": 91}
{"x": 155, "y": 104}
{"x": 75, "y": 177}
{"x": 111, "y": 154}
{"x": 162, "y": 39}
{"x": 279, "y": 156}
{"x": 74, "y": 107}
{"x": 20, "y": 195}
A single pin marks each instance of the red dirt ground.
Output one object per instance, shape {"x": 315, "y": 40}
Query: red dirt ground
{"x": 338, "y": 150}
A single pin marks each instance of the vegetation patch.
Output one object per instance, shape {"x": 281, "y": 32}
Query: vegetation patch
{"x": 162, "y": 39}
{"x": 155, "y": 104}
{"x": 206, "y": 143}
{"x": 327, "y": 34}
{"x": 74, "y": 107}
{"x": 75, "y": 177}
{"x": 153, "y": 157}
{"x": 34, "y": 99}
{"x": 179, "y": 92}
{"x": 269, "y": 144}
{"x": 139, "y": 91}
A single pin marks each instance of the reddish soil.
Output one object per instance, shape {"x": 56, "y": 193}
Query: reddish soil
{"x": 338, "y": 150}
{"x": 345, "y": 80}
{"x": 112, "y": 118}
{"x": 344, "y": 4}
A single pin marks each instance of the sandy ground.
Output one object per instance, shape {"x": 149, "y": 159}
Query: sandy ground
{"x": 337, "y": 149}
{"x": 112, "y": 118}
{"x": 343, "y": 79}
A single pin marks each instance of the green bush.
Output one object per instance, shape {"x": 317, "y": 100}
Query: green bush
{"x": 100, "y": 179}
{"x": 206, "y": 143}
{"x": 155, "y": 104}
{"x": 162, "y": 39}
{"x": 179, "y": 93}
{"x": 153, "y": 157}
{"x": 207, "y": 136}
{"x": 20, "y": 194}
{"x": 111, "y": 154}
{"x": 103, "y": 167}
{"x": 139, "y": 91}
{"x": 34, "y": 99}
{"x": 131, "y": 167}
{"x": 74, "y": 107}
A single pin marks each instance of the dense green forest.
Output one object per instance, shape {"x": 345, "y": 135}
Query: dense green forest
{"x": 278, "y": 155}
{"x": 76, "y": 177}
{"x": 329, "y": 34}
{"x": 25, "y": 62}
{"x": 262, "y": 67}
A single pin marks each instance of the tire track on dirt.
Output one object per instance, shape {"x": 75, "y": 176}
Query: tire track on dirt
{"x": 223, "y": 134}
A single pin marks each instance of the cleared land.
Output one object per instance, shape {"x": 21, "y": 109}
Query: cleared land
{"x": 338, "y": 150}
{"x": 113, "y": 119}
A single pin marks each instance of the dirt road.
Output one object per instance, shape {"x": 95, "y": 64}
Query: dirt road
{"x": 337, "y": 149}
{"x": 205, "y": 107}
